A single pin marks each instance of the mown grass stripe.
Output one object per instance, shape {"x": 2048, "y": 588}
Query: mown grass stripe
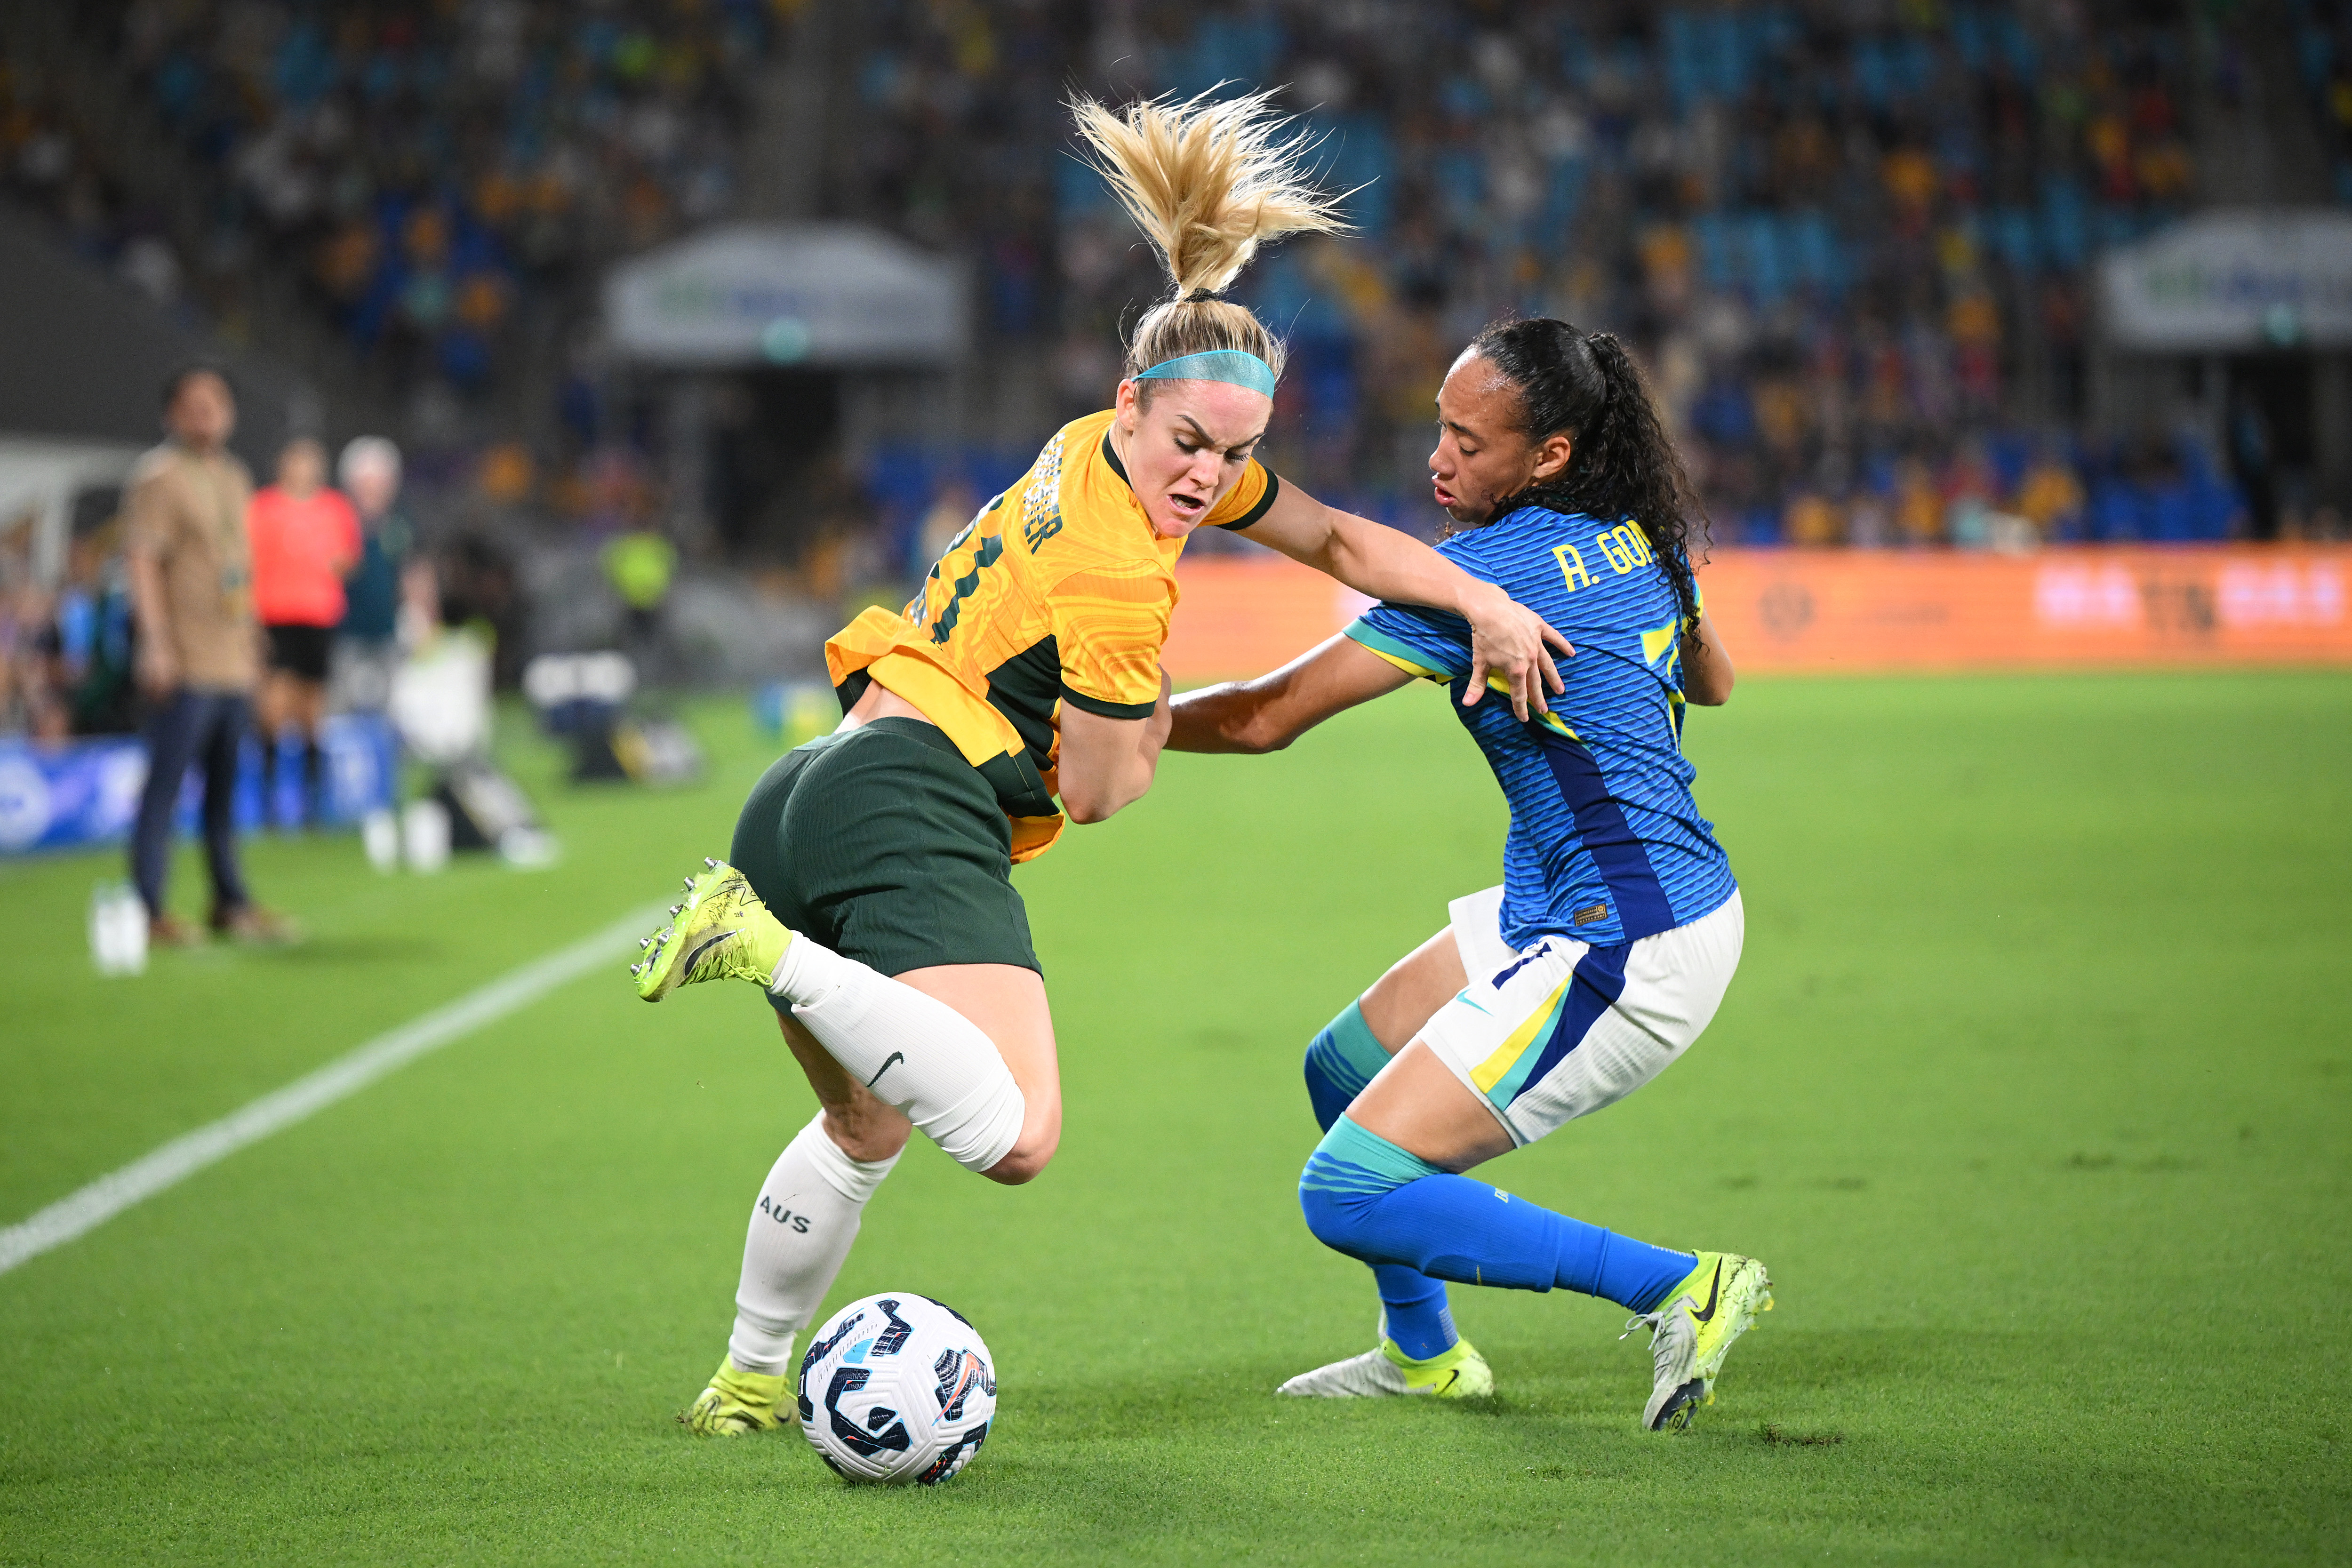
{"x": 84, "y": 1211}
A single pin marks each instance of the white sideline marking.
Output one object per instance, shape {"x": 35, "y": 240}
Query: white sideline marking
{"x": 84, "y": 1211}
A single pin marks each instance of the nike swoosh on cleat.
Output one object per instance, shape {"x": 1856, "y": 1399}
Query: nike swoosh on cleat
{"x": 705, "y": 945}
{"x": 1714, "y": 1292}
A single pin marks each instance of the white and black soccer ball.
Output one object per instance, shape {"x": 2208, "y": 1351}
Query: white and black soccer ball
{"x": 897, "y": 1388}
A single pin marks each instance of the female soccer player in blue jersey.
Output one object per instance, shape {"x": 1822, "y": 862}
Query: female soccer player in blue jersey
{"x": 1610, "y": 941}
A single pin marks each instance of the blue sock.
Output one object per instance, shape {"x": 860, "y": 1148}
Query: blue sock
{"x": 1366, "y": 1197}
{"x": 1414, "y": 1308}
{"x": 1340, "y": 1062}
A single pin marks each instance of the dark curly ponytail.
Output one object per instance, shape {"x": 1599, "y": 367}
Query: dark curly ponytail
{"x": 1623, "y": 466}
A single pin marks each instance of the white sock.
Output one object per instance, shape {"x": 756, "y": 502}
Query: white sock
{"x": 801, "y": 1230}
{"x": 913, "y": 1051}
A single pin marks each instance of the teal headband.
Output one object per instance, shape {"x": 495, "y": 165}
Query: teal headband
{"x": 1229, "y": 366}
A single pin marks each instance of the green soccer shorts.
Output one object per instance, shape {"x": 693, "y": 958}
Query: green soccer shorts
{"x": 885, "y": 845}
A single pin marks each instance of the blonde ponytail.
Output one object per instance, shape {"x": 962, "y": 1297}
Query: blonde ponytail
{"x": 1206, "y": 182}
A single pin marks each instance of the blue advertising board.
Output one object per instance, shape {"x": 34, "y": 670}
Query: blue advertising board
{"x": 84, "y": 794}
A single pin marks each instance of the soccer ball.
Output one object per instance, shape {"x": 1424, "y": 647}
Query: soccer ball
{"x": 897, "y": 1388}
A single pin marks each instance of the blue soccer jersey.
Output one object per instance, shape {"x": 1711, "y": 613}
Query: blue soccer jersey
{"x": 1606, "y": 845}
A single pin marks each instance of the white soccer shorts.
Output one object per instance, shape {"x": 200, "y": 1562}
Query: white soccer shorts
{"x": 1560, "y": 1028}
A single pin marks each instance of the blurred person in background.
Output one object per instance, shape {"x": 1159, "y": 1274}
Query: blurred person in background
{"x": 93, "y": 635}
{"x": 640, "y": 566}
{"x": 1918, "y": 503}
{"x": 304, "y": 538}
{"x": 367, "y": 651}
{"x": 2050, "y": 497}
{"x": 29, "y": 683}
{"x": 198, "y": 660}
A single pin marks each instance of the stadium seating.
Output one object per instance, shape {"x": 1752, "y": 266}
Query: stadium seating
{"x": 1841, "y": 235}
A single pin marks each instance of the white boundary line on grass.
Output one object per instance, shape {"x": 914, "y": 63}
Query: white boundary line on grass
{"x": 173, "y": 1162}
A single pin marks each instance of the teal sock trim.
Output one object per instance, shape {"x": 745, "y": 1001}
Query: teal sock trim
{"x": 1340, "y": 1060}
{"x": 1351, "y": 1160}
{"x": 1354, "y": 1039}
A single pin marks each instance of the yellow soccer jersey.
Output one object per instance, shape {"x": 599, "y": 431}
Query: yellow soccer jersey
{"x": 1057, "y": 592}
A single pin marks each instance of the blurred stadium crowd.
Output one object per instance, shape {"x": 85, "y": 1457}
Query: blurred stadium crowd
{"x": 449, "y": 181}
{"x": 1850, "y": 238}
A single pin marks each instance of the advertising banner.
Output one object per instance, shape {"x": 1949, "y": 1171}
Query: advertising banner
{"x": 820, "y": 295}
{"x": 1867, "y": 611}
{"x": 84, "y": 794}
{"x": 2233, "y": 280}
{"x": 1862, "y": 611}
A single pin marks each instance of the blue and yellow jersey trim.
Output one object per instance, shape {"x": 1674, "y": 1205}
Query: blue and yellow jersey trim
{"x": 1403, "y": 654}
{"x": 1414, "y": 662}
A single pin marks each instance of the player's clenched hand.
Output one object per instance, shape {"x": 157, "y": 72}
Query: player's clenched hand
{"x": 1511, "y": 642}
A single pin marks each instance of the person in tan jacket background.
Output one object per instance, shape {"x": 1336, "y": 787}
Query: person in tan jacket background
{"x": 199, "y": 646}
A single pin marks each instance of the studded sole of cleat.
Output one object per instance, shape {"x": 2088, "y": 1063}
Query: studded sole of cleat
{"x": 643, "y": 973}
{"x": 1675, "y": 1415}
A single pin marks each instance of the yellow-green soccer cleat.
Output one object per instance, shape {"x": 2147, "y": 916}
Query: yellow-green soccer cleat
{"x": 1460, "y": 1373}
{"x": 1692, "y": 1332}
{"x": 739, "y": 1402}
{"x": 722, "y": 931}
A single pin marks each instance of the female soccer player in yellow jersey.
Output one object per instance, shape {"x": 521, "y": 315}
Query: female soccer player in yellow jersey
{"x": 869, "y": 890}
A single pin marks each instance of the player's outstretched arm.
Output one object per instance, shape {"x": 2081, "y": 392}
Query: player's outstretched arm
{"x": 1269, "y": 713}
{"x": 1707, "y": 666}
{"x": 1507, "y": 641}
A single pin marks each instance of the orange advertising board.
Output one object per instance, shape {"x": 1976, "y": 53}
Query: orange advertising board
{"x": 1240, "y": 616}
{"x": 1874, "y": 610}
{"x": 1862, "y": 611}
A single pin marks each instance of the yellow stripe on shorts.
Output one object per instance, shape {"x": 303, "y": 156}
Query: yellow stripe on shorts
{"x": 1497, "y": 1066}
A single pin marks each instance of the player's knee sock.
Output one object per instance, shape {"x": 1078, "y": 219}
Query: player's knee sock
{"x": 913, "y": 1051}
{"x": 1366, "y": 1197}
{"x": 1415, "y": 1311}
{"x": 806, "y": 1217}
{"x": 1340, "y": 1060}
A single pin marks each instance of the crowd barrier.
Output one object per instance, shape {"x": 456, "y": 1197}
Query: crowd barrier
{"x": 1857, "y": 610}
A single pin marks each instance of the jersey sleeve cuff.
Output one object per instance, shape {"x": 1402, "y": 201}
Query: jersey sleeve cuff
{"x": 1404, "y": 656}
{"x": 1272, "y": 489}
{"x": 1102, "y": 710}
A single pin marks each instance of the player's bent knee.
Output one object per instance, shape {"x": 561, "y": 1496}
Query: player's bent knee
{"x": 1041, "y": 1136}
{"x": 1343, "y": 1058}
{"x": 1020, "y": 1167}
{"x": 1336, "y": 1219}
{"x": 987, "y": 1127}
{"x": 867, "y": 1130}
{"x": 1341, "y": 1189}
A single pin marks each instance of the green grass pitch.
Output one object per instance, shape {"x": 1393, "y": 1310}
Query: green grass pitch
{"x": 2032, "y": 1091}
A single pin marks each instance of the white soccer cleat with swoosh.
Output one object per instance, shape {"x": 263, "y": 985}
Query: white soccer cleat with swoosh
{"x": 1691, "y": 1330}
{"x": 1459, "y": 1372}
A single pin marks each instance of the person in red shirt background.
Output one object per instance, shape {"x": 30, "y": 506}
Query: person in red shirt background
{"x": 305, "y": 537}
